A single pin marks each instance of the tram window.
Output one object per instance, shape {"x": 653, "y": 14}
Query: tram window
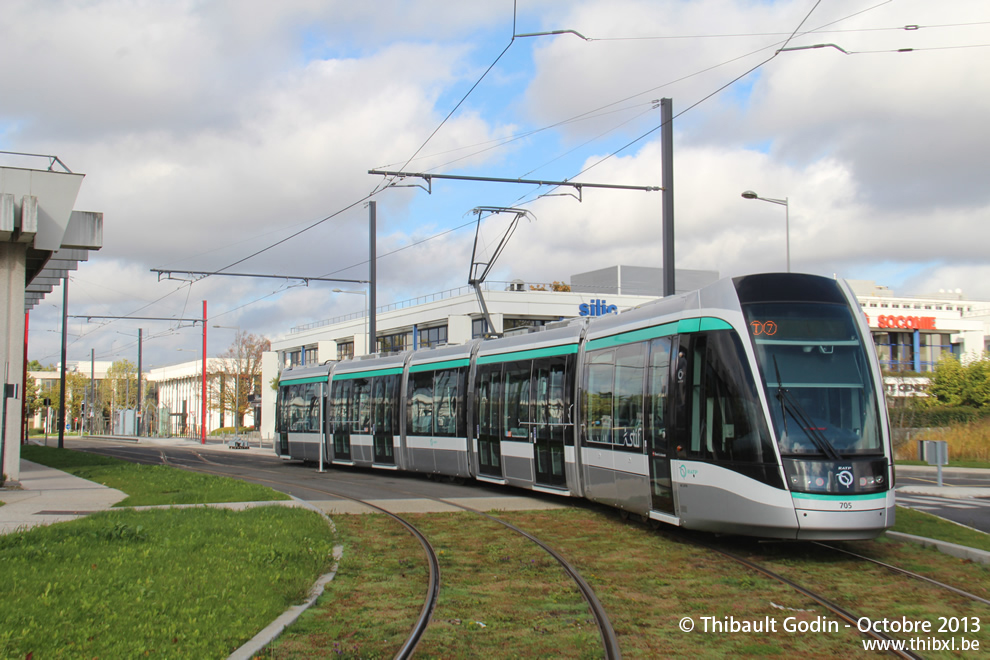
{"x": 383, "y": 392}
{"x": 341, "y": 413}
{"x": 489, "y": 399}
{"x": 597, "y": 401}
{"x": 313, "y": 413}
{"x": 300, "y": 408}
{"x": 550, "y": 395}
{"x": 361, "y": 423}
{"x": 726, "y": 424}
{"x": 517, "y": 400}
{"x": 659, "y": 375}
{"x": 421, "y": 403}
{"x": 630, "y": 367}
{"x": 445, "y": 403}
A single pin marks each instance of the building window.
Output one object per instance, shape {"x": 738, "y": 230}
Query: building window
{"x": 394, "y": 343}
{"x": 310, "y": 356}
{"x": 292, "y": 359}
{"x": 430, "y": 337}
{"x": 895, "y": 350}
{"x": 345, "y": 350}
{"x": 479, "y": 328}
{"x": 510, "y": 324}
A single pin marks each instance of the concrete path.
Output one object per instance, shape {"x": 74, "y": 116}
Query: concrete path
{"x": 48, "y": 495}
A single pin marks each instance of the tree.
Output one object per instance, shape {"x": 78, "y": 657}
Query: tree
{"x": 118, "y": 389}
{"x": 76, "y": 387}
{"x": 947, "y": 382}
{"x": 976, "y": 385}
{"x": 238, "y": 375}
{"x": 955, "y": 384}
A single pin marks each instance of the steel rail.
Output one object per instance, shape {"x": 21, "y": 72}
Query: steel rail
{"x": 433, "y": 583}
{"x": 606, "y": 631}
{"x": 839, "y": 611}
{"x": 609, "y": 639}
{"x": 916, "y": 576}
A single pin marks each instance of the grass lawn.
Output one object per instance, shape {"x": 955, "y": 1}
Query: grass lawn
{"x": 924, "y": 524}
{"x": 176, "y": 583}
{"x": 501, "y": 597}
{"x": 200, "y": 582}
{"x": 150, "y": 485}
{"x": 170, "y": 583}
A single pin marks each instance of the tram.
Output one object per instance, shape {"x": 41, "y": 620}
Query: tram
{"x": 752, "y": 406}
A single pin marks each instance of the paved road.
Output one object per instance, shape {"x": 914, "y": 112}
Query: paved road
{"x": 306, "y": 483}
{"x": 946, "y": 502}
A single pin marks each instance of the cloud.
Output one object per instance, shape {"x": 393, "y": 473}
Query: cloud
{"x": 209, "y": 131}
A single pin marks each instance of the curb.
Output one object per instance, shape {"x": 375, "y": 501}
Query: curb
{"x": 960, "y": 551}
{"x": 270, "y": 633}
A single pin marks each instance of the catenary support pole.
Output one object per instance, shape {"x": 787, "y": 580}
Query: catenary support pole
{"x": 24, "y": 377}
{"x": 372, "y": 274}
{"x": 92, "y": 394}
{"x": 202, "y": 405}
{"x": 667, "y": 163}
{"x": 61, "y": 386}
{"x": 139, "y": 399}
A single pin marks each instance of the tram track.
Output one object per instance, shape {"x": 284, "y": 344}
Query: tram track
{"x": 784, "y": 563}
{"x": 791, "y": 559}
{"x": 911, "y": 574}
{"x": 609, "y": 639}
{"x": 842, "y": 613}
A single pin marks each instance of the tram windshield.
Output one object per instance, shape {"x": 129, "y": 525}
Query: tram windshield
{"x": 817, "y": 378}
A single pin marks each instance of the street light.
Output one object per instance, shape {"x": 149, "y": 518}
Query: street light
{"x": 368, "y": 349}
{"x": 237, "y": 376}
{"x": 749, "y": 194}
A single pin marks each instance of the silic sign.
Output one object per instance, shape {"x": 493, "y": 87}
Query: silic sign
{"x": 903, "y": 322}
{"x": 597, "y": 308}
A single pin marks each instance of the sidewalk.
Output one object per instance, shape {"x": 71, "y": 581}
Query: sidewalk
{"x": 933, "y": 490}
{"x": 48, "y": 495}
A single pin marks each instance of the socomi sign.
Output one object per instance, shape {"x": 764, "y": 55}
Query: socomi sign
{"x": 904, "y": 322}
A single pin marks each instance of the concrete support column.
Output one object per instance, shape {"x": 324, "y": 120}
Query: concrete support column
{"x": 13, "y": 258}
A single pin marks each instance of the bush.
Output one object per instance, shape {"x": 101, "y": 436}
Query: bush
{"x": 948, "y": 415}
{"x": 230, "y": 430}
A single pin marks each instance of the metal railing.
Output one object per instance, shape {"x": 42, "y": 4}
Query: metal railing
{"x": 421, "y": 300}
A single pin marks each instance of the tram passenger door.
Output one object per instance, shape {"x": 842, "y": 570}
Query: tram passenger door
{"x": 281, "y": 422}
{"x": 660, "y": 376}
{"x": 343, "y": 416}
{"x": 383, "y": 395}
{"x": 489, "y": 415}
{"x": 551, "y": 425}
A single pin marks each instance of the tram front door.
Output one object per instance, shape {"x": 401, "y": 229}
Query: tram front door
{"x": 489, "y": 413}
{"x": 551, "y": 429}
{"x": 660, "y": 376}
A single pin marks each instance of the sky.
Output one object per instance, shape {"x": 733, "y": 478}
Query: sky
{"x": 237, "y": 137}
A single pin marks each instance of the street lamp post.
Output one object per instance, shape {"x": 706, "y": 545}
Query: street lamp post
{"x": 749, "y": 194}
{"x": 368, "y": 349}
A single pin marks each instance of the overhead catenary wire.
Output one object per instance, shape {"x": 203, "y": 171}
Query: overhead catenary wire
{"x": 454, "y": 110}
{"x": 651, "y": 90}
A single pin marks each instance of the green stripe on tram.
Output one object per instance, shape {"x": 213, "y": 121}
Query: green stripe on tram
{"x": 684, "y": 326}
{"x": 436, "y": 366}
{"x": 531, "y": 354}
{"x": 301, "y": 381}
{"x": 368, "y": 374}
{"x": 839, "y": 496}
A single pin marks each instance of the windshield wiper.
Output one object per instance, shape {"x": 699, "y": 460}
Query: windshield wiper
{"x": 802, "y": 418}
